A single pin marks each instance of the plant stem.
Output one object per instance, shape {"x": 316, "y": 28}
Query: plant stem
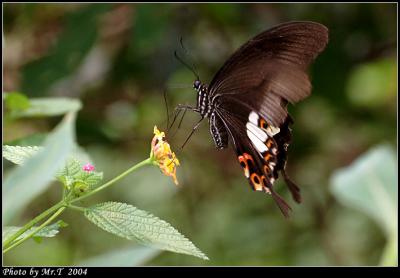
{"x": 57, "y": 213}
{"x": 77, "y": 208}
{"x": 133, "y": 168}
{"x": 60, "y": 206}
{"x": 33, "y": 222}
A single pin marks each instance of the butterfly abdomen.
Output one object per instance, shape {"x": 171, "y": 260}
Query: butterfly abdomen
{"x": 218, "y": 132}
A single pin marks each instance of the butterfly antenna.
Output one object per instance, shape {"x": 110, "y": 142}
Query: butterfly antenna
{"x": 166, "y": 106}
{"x": 186, "y": 65}
{"x": 189, "y": 55}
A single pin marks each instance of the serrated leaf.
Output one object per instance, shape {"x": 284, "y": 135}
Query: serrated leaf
{"x": 19, "y": 154}
{"x": 131, "y": 223}
{"x": 72, "y": 168}
{"x": 44, "y": 107}
{"x": 26, "y": 182}
{"x": 91, "y": 178}
{"x": 48, "y": 231}
{"x": 72, "y": 172}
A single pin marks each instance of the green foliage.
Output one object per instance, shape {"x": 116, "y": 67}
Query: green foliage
{"x": 16, "y": 101}
{"x": 26, "y": 182}
{"x": 373, "y": 84}
{"x": 126, "y": 52}
{"x": 131, "y": 223}
{"x": 369, "y": 185}
{"x": 45, "y": 107}
{"x": 72, "y": 175}
{"x": 48, "y": 231}
{"x": 30, "y": 140}
{"x": 67, "y": 53}
{"x": 126, "y": 257}
{"x": 19, "y": 154}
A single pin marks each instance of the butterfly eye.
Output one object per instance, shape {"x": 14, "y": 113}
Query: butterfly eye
{"x": 196, "y": 84}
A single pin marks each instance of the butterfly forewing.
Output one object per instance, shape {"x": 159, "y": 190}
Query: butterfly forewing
{"x": 271, "y": 66}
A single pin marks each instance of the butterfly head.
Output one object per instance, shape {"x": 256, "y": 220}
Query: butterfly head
{"x": 197, "y": 84}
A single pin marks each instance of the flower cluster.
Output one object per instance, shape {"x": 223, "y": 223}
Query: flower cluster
{"x": 163, "y": 156}
{"x": 88, "y": 168}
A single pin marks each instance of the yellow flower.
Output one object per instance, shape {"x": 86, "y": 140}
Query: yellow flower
{"x": 163, "y": 156}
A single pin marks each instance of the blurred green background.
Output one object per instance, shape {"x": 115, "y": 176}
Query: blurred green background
{"x": 118, "y": 58}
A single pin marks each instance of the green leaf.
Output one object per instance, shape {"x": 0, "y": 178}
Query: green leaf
{"x": 90, "y": 178}
{"x": 48, "y": 231}
{"x": 26, "y": 182}
{"x": 131, "y": 223}
{"x": 369, "y": 185}
{"x": 35, "y": 139}
{"x": 18, "y": 154}
{"x": 16, "y": 101}
{"x": 72, "y": 173}
{"x": 44, "y": 107}
{"x": 71, "y": 169}
{"x": 136, "y": 256}
{"x": 71, "y": 47}
{"x": 373, "y": 84}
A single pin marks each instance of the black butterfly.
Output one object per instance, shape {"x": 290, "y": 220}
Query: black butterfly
{"x": 247, "y": 99}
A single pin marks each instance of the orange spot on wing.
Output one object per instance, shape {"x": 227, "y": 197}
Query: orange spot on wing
{"x": 248, "y": 157}
{"x": 256, "y": 182}
{"x": 244, "y": 164}
{"x": 269, "y": 143}
{"x": 263, "y": 124}
{"x": 265, "y": 184}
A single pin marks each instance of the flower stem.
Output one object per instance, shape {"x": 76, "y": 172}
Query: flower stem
{"x": 148, "y": 161}
{"x": 77, "y": 208}
{"x": 15, "y": 244}
{"x": 33, "y": 222}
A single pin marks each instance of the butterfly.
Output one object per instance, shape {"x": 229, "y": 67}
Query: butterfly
{"x": 246, "y": 101}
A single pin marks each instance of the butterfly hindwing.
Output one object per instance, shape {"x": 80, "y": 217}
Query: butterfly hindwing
{"x": 257, "y": 152}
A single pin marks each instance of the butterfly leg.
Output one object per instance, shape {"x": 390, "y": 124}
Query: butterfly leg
{"x": 193, "y": 130}
{"x": 176, "y": 114}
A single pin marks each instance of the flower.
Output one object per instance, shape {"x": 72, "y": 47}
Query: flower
{"x": 163, "y": 156}
{"x": 88, "y": 167}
